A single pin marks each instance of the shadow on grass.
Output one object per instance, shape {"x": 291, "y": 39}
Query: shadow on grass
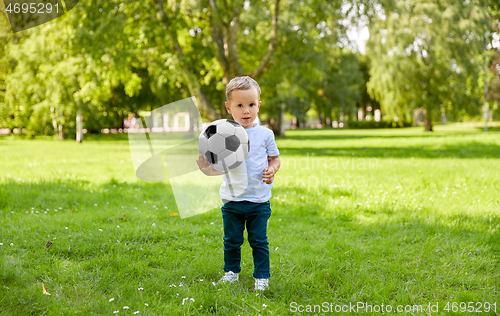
{"x": 468, "y": 150}
{"x": 105, "y": 137}
{"x": 495, "y": 129}
{"x": 124, "y": 136}
{"x": 334, "y": 134}
{"x": 339, "y": 136}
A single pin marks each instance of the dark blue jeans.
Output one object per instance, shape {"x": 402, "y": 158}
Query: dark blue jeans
{"x": 237, "y": 215}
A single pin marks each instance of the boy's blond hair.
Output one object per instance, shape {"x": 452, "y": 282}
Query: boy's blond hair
{"x": 241, "y": 83}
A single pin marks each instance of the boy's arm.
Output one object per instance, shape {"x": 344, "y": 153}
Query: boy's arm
{"x": 269, "y": 172}
{"x": 275, "y": 162}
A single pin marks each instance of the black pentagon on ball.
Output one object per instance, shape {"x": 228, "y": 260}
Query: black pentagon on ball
{"x": 234, "y": 123}
{"x": 232, "y": 143}
{"x": 212, "y": 158}
{"x": 210, "y": 131}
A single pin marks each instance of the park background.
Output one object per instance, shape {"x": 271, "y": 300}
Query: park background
{"x": 417, "y": 62}
{"x": 403, "y": 111}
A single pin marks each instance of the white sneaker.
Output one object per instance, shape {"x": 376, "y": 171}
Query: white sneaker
{"x": 229, "y": 277}
{"x": 261, "y": 284}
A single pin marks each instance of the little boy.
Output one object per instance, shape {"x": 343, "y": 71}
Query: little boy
{"x": 251, "y": 207}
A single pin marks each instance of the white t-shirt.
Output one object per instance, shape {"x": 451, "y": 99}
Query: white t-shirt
{"x": 245, "y": 183}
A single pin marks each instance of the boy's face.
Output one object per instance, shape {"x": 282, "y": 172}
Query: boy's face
{"x": 244, "y": 105}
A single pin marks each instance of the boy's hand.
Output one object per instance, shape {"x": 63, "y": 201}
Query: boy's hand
{"x": 268, "y": 175}
{"x": 203, "y": 164}
{"x": 207, "y": 168}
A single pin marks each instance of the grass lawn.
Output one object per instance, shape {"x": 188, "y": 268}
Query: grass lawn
{"x": 392, "y": 217}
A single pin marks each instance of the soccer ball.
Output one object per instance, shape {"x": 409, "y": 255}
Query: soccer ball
{"x": 225, "y": 143}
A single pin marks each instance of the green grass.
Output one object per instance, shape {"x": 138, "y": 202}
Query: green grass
{"x": 418, "y": 223}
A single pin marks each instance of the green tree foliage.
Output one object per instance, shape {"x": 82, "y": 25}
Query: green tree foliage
{"x": 427, "y": 54}
{"x": 311, "y": 70}
{"x": 5, "y": 67}
{"x": 109, "y": 58}
{"x": 130, "y": 56}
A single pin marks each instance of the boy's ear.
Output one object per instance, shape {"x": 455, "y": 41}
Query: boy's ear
{"x": 227, "y": 107}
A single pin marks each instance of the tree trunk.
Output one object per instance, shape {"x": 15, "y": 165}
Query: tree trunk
{"x": 300, "y": 123}
{"x": 79, "y": 124}
{"x": 278, "y": 125}
{"x": 323, "y": 119}
{"x": 280, "y": 131}
{"x": 54, "y": 121}
{"x": 121, "y": 118}
{"x": 61, "y": 134}
{"x": 428, "y": 119}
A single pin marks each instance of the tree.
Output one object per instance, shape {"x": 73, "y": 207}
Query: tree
{"x": 424, "y": 54}
{"x": 311, "y": 69}
{"x": 159, "y": 52}
{"x": 366, "y": 101}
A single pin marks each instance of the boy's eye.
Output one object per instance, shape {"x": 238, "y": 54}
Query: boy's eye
{"x": 239, "y": 105}
{"x": 251, "y": 104}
